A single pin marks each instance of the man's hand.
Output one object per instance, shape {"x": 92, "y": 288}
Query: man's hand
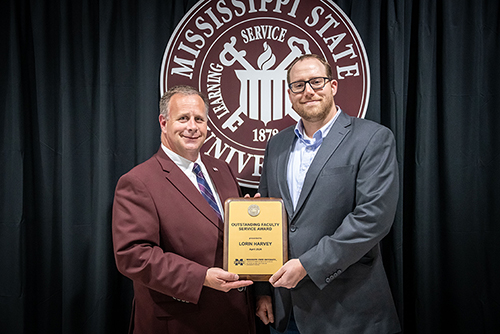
{"x": 289, "y": 275}
{"x": 264, "y": 309}
{"x": 219, "y": 279}
{"x": 257, "y": 195}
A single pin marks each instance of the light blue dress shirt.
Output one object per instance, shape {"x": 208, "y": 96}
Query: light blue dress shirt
{"x": 302, "y": 155}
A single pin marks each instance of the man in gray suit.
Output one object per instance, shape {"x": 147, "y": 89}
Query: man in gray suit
{"x": 338, "y": 178}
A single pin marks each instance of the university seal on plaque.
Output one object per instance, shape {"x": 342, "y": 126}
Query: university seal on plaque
{"x": 237, "y": 53}
{"x": 253, "y": 210}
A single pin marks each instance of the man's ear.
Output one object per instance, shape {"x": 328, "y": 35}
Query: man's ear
{"x": 334, "y": 84}
{"x": 163, "y": 121}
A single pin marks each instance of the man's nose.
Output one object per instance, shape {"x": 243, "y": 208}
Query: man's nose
{"x": 191, "y": 124}
{"x": 308, "y": 89}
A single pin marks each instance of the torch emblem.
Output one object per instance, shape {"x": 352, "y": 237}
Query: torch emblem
{"x": 263, "y": 91}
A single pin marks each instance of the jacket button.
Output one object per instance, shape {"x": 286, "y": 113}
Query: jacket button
{"x": 293, "y": 228}
{"x": 241, "y": 289}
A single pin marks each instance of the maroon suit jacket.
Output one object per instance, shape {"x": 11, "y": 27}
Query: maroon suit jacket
{"x": 165, "y": 237}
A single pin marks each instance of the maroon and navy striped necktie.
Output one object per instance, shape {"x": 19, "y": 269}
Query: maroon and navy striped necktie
{"x": 205, "y": 189}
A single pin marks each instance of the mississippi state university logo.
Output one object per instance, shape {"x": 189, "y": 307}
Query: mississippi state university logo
{"x": 237, "y": 53}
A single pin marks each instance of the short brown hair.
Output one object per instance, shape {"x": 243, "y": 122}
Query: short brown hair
{"x": 180, "y": 89}
{"x": 322, "y": 60}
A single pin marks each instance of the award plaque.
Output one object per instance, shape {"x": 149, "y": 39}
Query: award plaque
{"x": 255, "y": 237}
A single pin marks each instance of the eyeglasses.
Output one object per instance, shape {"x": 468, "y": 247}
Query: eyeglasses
{"x": 315, "y": 83}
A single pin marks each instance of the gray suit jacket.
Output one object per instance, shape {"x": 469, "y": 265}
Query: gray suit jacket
{"x": 347, "y": 205}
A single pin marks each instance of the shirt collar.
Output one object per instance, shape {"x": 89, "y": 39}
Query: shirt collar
{"x": 183, "y": 163}
{"x": 319, "y": 135}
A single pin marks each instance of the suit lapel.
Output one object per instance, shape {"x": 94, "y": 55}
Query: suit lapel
{"x": 282, "y": 171}
{"x": 185, "y": 187}
{"x": 217, "y": 180}
{"x": 330, "y": 144}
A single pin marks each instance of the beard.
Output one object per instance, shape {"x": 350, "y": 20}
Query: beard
{"x": 316, "y": 113}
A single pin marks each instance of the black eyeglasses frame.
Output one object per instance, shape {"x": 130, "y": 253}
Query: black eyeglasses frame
{"x": 326, "y": 79}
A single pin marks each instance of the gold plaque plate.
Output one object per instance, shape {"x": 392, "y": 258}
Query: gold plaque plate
{"x": 255, "y": 237}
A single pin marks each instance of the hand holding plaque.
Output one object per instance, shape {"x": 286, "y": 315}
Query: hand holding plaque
{"x": 255, "y": 237}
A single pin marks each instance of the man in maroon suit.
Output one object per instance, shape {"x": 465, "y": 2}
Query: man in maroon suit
{"x": 168, "y": 237}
